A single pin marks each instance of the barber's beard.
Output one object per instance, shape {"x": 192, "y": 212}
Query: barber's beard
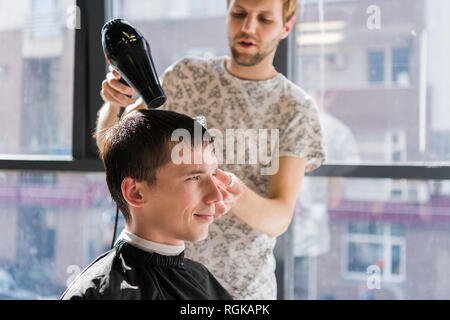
{"x": 250, "y": 60}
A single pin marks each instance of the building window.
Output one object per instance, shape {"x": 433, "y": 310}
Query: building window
{"x": 369, "y": 244}
{"x": 44, "y": 19}
{"x": 401, "y": 66}
{"x": 396, "y": 145}
{"x": 376, "y": 66}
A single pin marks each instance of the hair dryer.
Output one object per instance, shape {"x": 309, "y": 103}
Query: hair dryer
{"x": 128, "y": 52}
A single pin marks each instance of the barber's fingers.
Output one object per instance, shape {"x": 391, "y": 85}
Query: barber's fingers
{"x": 115, "y": 83}
{"x": 113, "y": 96}
{"x": 219, "y": 209}
{"x": 229, "y": 181}
{"x": 223, "y": 177}
{"x": 107, "y": 97}
{"x": 224, "y": 192}
{"x": 114, "y": 72}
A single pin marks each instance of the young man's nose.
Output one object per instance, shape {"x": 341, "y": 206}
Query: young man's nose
{"x": 212, "y": 192}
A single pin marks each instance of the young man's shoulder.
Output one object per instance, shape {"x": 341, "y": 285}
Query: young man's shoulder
{"x": 194, "y": 265}
{"x": 93, "y": 280}
{"x": 206, "y": 279}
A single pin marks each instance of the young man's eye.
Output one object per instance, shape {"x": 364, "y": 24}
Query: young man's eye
{"x": 264, "y": 20}
{"x": 196, "y": 178}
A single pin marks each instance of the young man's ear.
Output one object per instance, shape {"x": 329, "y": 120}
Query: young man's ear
{"x": 132, "y": 192}
{"x": 288, "y": 25}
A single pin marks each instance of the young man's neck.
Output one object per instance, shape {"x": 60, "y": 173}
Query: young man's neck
{"x": 135, "y": 229}
{"x": 262, "y": 71}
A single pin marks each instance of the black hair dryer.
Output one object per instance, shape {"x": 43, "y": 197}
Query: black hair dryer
{"x": 128, "y": 52}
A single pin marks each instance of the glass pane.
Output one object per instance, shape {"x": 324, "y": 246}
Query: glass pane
{"x": 53, "y": 226}
{"x": 378, "y": 71}
{"x": 336, "y": 239}
{"x": 401, "y": 65}
{"x": 363, "y": 255}
{"x": 376, "y": 66}
{"x": 396, "y": 259}
{"x": 366, "y": 228}
{"x": 177, "y": 28}
{"x": 36, "y": 75}
{"x": 397, "y": 230}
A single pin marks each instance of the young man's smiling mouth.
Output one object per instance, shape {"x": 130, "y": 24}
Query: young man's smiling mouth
{"x": 207, "y": 215}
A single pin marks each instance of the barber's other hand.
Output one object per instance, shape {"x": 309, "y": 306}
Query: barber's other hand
{"x": 115, "y": 92}
{"x": 231, "y": 194}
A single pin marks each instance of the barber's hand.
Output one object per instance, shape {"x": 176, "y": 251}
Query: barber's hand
{"x": 115, "y": 92}
{"x": 230, "y": 194}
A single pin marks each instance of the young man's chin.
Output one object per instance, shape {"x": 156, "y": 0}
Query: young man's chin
{"x": 199, "y": 236}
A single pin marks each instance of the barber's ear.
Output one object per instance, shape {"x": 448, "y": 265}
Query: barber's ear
{"x": 288, "y": 27}
{"x": 132, "y": 192}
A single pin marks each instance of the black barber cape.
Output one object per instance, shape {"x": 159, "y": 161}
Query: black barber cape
{"x": 126, "y": 272}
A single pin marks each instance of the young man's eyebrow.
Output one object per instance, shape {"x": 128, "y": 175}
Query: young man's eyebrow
{"x": 197, "y": 172}
{"x": 194, "y": 172}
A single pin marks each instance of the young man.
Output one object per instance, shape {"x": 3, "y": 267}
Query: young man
{"x": 244, "y": 92}
{"x": 165, "y": 202}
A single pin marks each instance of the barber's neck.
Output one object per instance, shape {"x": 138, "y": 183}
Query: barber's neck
{"x": 262, "y": 71}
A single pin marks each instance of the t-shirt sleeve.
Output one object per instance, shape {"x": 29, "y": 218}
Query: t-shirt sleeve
{"x": 301, "y": 133}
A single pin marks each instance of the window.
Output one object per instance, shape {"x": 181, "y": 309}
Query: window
{"x": 399, "y": 75}
{"x": 53, "y": 226}
{"x": 49, "y": 217}
{"x": 378, "y": 81}
{"x": 370, "y": 244}
{"x": 396, "y": 145}
{"x": 190, "y": 27}
{"x": 346, "y": 234}
{"x": 36, "y": 69}
{"x": 376, "y": 66}
{"x": 44, "y": 19}
{"x": 40, "y": 108}
{"x": 382, "y": 89}
{"x": 401, "y": 66}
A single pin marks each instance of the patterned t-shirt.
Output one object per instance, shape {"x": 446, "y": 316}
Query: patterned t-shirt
{"x": 240, "y": 257}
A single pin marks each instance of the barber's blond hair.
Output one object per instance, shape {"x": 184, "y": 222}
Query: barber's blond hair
{"x": 290, "y": 8}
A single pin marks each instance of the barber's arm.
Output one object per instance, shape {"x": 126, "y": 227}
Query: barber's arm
{"x": 115, "y": 94}
{"x": 271, "y": 215}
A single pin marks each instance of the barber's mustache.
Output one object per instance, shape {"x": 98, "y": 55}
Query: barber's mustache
{"x": 242, "y": 36}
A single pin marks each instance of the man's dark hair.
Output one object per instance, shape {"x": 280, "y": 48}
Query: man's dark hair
{"x": 140, "y": 143}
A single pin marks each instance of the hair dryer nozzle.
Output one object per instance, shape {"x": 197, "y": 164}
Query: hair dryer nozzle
{"x": 128, "y": 52}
